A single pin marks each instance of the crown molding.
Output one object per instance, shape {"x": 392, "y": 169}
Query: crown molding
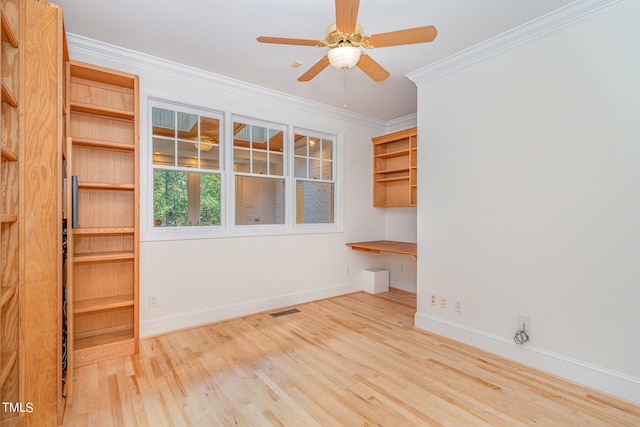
{"x": 80, "y": 46}
{"x": 536, "y": 29}
{"x": 405, "y": 122}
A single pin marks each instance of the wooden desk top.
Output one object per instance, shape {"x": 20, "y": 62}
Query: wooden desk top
{"x": 392, "y": 246}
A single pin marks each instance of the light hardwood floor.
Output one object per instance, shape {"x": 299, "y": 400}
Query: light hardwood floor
{"x": 353, "y": 360}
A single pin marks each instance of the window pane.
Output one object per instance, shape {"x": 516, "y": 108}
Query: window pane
{"x": 164, "y": 152}
{"x": 209, "y": 130}
{"x": 179, "y": 196}
{"x": 209, "y": 156}
{"x": 241, "y": 160}
{"x": 260, "y": 165}
{"x": 327, "y": 149}
{"x": 300, "y": 145}
{"x": 187, "y": 154}
{"x": 259, "y": 137}
{"x": 164, "y": 122}
{"x": 314, "y": 201}
{"x": 300, "y": 167}
{"x": 209, "y": 199}
{"x": 170, "y": 198}
{"x": 314, "y": 147}
{"x": 276, "y": 163}
{"x": 187, "y": 126}
{"x": 327, "y": 170}
{"x": 275, "y": 142}
{"x": 259, "y": 200}
{"x": 314, "y": 169}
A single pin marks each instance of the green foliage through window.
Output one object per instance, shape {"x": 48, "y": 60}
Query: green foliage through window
{"x": 182, "y": 199}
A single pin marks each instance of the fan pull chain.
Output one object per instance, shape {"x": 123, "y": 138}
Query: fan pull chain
{"x": 345, "y": 89}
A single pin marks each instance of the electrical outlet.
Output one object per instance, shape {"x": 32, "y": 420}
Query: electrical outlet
{"x": 346, "y": 271}
{"x": 433, "y": 299}
{"x": 458, "y": 305}
{"x": 401, "y": 268}
{"x": 524, "y": 323}
{"x": 153, "y": 300}
{"x": 443, "y": 302}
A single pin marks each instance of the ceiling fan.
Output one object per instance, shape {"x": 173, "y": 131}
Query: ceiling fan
{"x": 346, "y": 36}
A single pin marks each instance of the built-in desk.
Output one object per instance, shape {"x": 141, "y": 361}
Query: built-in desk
{"x": 377, "y": 246}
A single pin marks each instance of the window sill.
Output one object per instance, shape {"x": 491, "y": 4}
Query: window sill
{"x": 196, "y": 233}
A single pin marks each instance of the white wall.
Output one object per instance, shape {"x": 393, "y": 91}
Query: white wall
{"x": 530, "y": 202}
{"x": 204, "y": 280}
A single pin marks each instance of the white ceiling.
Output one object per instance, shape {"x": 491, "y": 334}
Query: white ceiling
{"x": 220, "y": 36}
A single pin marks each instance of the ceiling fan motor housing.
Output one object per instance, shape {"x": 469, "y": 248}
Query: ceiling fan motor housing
{"x": 334, "y": 38}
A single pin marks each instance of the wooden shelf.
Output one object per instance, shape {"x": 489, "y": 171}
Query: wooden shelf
{"x": 99, "y": 110}
{"x": 392, "y": 154}
{"x": 9, "y": 154}
{"x": 394, "y": 169}
{"x": 99, "y": 337}
{"x": 106, "y": 186}
{"x": 95, "y": 143}
{"x": 395, "y": 178}
{"x": 102, "y": 75}
{"x": 8, "y": 218}
{"x": 96, "y": 231}
{"x": 103, "y": 256}
{"x": 8, "y": 362}
{"x": 8, "y": 33}
{"x": 8, "y": 97}
{"x": 6, "y": 296}
{"x": 106, "y": 303}
{"x": 103, "y": 347}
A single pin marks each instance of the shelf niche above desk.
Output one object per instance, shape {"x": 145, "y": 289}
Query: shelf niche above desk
{"x": 395, "y": 170}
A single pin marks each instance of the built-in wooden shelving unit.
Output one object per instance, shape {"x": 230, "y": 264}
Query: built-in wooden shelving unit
{"x": 102, "y": 152}
{"x": 395, "y": 169}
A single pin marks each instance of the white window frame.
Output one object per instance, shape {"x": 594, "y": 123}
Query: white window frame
{"x": 151, "y": 232}
{"x": 227, "y": 227}
{"x": 231, "y": 219}
{"x": 336, "y": 180}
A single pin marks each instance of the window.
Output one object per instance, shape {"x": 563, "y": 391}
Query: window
{"x": 258, "y": 165}
{"x": 186, "y": 168}
{"x": 213, "y": 174}
{"x": 314, "y": 179}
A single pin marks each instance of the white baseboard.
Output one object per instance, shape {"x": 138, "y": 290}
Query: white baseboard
{"x": 190, "y": 319}
{"x": 615, "y": 383}
{"x": 409, "y": 287}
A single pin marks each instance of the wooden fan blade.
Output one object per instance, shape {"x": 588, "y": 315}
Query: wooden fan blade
{"x": 315, "y": 70}
{"x": 371, "y": 68}
{"x": 400, "y": 37}
{"x": 346, "y": 15}
{"x": 285, "y": 40}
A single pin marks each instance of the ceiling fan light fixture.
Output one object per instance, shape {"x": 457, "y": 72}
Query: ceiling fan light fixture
{"x": 344, "y": 57}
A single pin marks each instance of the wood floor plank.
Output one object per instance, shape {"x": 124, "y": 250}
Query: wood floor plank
{"x": 354, "y": 360}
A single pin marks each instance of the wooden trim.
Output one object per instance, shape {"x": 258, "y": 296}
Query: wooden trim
{"x": 8, "y": 33}
{"x": 6, "y": 296}
{"x": 8, "y": 96}
{"x": 8, "y": 362}
{"x": 9, "y": 154}
{"x": 8, "y": 218}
